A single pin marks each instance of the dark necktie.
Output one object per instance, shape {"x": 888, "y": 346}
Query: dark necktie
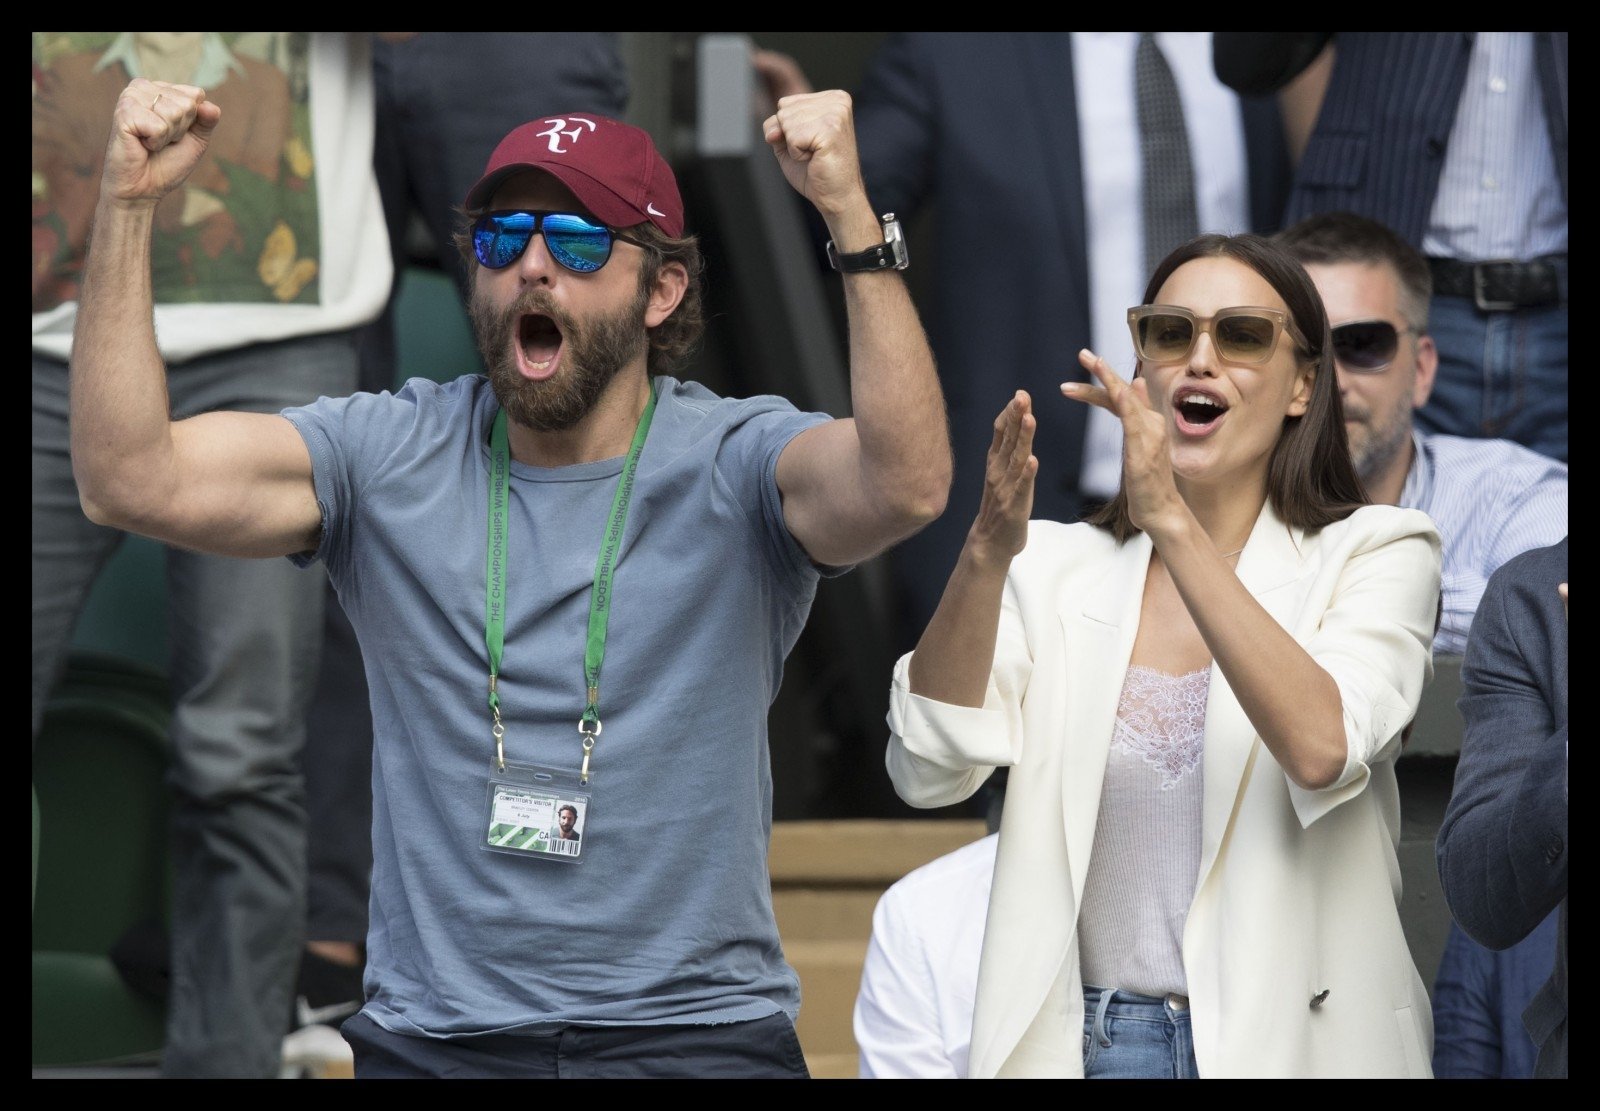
{"x": 1169, "y": 207}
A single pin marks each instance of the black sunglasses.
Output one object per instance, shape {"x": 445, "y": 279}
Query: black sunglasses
{"x": 579, "y": 244}
{"x": 1367, "y": 346}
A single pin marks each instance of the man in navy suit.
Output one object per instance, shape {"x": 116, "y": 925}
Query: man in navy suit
{"x": 1025, "y": 147}
{"x": 1458, "y": 141}
{"x": 1503, "y": 845}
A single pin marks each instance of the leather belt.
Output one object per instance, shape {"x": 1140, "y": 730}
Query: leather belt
{"x": 1503, "y": 285}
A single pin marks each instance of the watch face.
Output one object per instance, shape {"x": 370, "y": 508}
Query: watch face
{"x": 896, "y": 242}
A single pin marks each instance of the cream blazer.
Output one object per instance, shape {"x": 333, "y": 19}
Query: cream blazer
{"x": 1296, "y": 962}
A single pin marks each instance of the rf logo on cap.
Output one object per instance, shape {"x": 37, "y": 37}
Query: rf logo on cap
{"x": 556, "y": 132}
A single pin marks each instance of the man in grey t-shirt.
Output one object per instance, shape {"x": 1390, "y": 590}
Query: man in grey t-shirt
{"x": 497, "y": 540}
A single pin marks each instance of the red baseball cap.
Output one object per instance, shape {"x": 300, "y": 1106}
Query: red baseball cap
{"x": 613, "y": 167}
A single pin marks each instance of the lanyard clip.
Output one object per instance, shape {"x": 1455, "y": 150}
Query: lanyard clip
{"x": 498, "y": 729}
{"x": 589, "y": 729}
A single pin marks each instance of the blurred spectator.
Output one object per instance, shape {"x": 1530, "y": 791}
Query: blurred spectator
{"x": 265, "y": 264}
{"x": 1478, "y": 1000}
{"x": 1502, "y": 848}
{"x": 1492, "y": 499}
{"x": 913, "y": 1013}
{"x": 1457, "y": 141}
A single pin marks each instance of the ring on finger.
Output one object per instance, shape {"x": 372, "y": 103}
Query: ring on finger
{"x": 154, "y": 102}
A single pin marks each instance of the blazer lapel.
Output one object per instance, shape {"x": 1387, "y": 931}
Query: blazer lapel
{"x": 1099, "y": 632}
{"x": 1020, "y": 988}
{"x": 1268, "y": 568}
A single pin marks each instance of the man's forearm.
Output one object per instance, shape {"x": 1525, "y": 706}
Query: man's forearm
{"x": 120, "y": 419}
{"x": 896, "y": 399}
{"x": 854, "y": 487}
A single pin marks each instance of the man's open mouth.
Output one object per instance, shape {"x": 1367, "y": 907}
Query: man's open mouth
{"x": 538, "y": 345}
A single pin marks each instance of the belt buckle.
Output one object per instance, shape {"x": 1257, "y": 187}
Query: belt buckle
{"x": 1480, "y": 271}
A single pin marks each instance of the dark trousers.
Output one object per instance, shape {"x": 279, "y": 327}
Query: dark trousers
{"x": 763, "y": 1049}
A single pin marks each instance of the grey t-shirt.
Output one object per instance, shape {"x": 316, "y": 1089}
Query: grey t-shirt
{"x": 668, "y": 919}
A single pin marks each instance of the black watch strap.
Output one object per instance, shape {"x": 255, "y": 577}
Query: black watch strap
{"x": 880, "y": 257}
{"x": 888, "y": 255}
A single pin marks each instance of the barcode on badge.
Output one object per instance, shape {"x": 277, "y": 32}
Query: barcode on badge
{"x": 565, "y": 848}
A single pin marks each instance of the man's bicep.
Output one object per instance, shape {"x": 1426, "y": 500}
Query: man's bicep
{"x": 824, "y": 501}
{"x": 242, "y": 486}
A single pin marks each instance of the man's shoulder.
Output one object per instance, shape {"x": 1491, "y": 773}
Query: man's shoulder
{"x": 418, "y": 419}
{"x": 1521, "y": 599}
{"x": 693, "y": 398}
{"x": 689, "y": 416}
{"x": 1536, "y": 567}
{"x": 448, "y": 404}
{"x": 1467, "y": 462}
{"x": 952, "y": 875}
{"x": 462, "y": 392}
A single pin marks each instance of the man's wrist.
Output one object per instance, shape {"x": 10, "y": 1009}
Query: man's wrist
{"x": 887, "y": 254}
{"x": 855, "y": 229}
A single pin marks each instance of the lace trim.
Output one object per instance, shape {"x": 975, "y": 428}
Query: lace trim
{"x": 1162, "y": 719}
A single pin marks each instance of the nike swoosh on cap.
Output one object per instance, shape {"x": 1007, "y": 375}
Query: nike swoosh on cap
{"x": 651, "y": 209}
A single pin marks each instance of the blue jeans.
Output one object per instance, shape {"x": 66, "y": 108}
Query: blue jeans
{"x": 246, "y": 634}
{"x": 1501, "y": 375}
{"x": 1136, "y": 1037}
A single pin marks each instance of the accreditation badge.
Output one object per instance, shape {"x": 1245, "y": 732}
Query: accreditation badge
{"x": 537, "y": 811}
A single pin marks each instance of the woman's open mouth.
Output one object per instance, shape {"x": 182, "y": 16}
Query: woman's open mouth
{"x": 1199, "y": 412}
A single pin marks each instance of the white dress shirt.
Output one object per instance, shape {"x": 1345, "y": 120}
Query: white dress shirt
{"x": 913, "y": 1017}
{"x": 1108, "y": 133}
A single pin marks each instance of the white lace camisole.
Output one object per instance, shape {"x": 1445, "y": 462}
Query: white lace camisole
{"x": 1146, "y": 857}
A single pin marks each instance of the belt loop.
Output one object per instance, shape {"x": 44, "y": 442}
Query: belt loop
{"x": 1100, "y": 1034}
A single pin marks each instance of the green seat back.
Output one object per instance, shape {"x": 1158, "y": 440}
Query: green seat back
{"x": 102, "y": 867}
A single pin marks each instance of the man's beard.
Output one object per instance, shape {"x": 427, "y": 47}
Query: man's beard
{"x": 1374, "y": 445}
{"x": 591, "y": 355}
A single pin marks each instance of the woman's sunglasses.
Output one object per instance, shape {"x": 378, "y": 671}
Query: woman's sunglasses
{"x": 1367, "y": 346}
{"x": 1248, "y": 335}
{"x": 499, "y": 238}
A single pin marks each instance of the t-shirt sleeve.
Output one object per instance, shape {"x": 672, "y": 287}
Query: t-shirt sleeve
{"x": 748, "y": 463}
{"x": 349, "y": 439}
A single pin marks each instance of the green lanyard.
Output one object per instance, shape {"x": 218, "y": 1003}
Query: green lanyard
{"x": 594, "y": 652}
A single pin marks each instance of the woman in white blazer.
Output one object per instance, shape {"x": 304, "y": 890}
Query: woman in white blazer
{"x": 1201, "y": 693}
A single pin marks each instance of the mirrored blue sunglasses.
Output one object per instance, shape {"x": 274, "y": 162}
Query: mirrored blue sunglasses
{"x": 499, "y": 238}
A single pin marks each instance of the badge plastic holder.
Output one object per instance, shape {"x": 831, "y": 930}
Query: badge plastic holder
{"x": 523, "y": 812}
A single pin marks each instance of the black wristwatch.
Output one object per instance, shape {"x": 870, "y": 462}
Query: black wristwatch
{"x": 890, "y": 254}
